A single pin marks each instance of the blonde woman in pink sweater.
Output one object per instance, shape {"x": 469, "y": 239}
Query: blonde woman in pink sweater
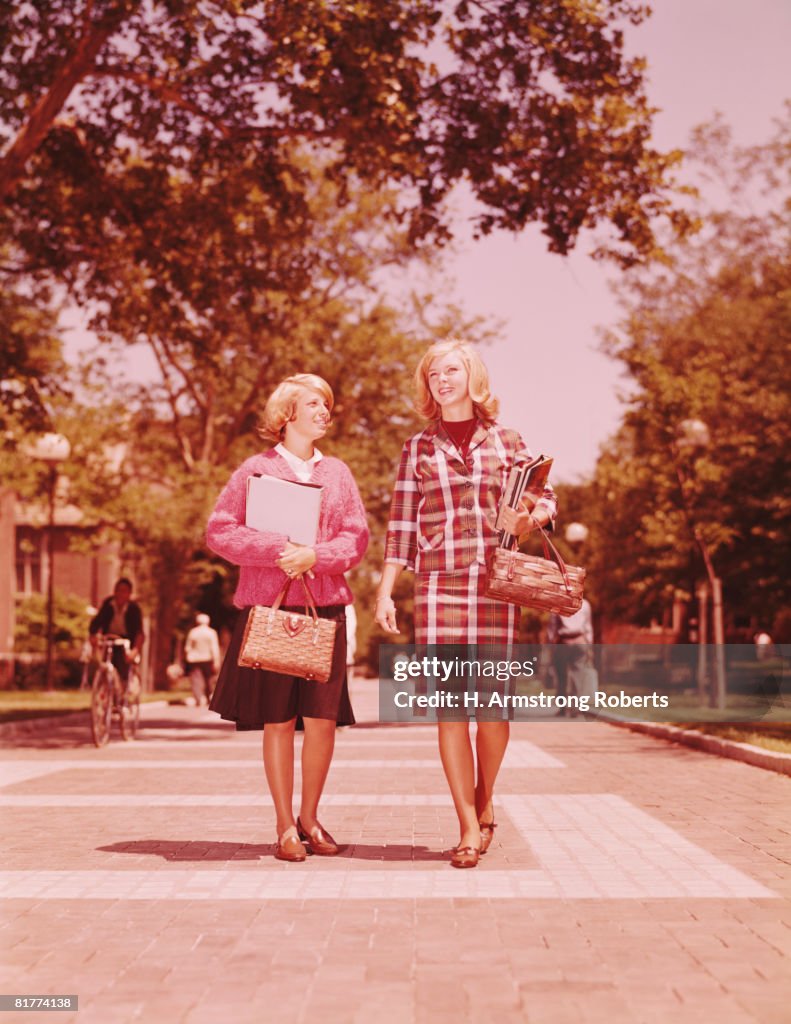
{"x": 296, "y": 416}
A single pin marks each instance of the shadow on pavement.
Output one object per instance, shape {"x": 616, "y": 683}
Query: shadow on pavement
{"x": 194, "y": 851}
{"x": 198, "y": 851}
{"x": 56, "y": 734}
{"x": 219, "y": 728}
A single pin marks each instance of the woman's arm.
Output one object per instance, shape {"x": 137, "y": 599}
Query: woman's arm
{"x": 385, "y": 611}
{"x": 522, "y": 521}
{"x": 348, "y": 546}
{"x": 401, "y": 540}
{"x": 227, "y": 535}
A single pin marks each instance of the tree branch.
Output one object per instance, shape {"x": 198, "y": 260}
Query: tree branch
{"x": 168, "y": 92}
{"x": 189, "y": 387}
{"x": 245, "y": 408}
{"x": 73, "y": 69}
{"x": 183, "y": 440}
{"x": 208, "y": 424}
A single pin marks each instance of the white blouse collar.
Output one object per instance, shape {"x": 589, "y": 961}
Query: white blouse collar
{"x": 296, "y": 463}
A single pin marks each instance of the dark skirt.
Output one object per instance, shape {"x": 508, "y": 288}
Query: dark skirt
{"x": 252, "y": 697}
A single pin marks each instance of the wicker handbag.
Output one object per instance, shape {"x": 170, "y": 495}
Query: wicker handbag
{"x": 287, "y": 642}
{"x": 545, "y": 583}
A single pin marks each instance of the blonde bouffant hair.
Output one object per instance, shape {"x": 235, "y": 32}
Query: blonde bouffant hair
{"x": 281, "y": 406}
{"x": 484, "y": 403}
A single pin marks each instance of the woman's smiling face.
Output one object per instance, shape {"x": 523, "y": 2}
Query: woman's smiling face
{"x": 311, "y": 416}
{"x": 448, "y": 380}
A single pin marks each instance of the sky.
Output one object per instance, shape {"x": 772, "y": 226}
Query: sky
{"x": 554, "y": 385}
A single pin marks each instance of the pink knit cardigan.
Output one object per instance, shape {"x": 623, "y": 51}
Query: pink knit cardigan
{"x": 341, "y": 541}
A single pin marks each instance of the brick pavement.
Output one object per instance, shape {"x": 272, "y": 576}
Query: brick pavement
{"x": 630, "y": 881}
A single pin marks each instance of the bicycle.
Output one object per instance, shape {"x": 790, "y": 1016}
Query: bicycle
{"x": 111, "y": 698}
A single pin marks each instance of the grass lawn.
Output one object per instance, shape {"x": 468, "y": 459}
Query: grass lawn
{"x": 769, "y": 735}
{"x": 16, "y": 705}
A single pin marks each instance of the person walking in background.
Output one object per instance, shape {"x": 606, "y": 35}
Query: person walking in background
{"x": 202, "y": 655}
{"x": 296, "y": 416}
{"x": 445, "y": 503}
{"x": 572, "y": 636}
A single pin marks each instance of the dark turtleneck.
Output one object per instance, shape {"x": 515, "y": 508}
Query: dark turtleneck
{"x": 460, "y": 432}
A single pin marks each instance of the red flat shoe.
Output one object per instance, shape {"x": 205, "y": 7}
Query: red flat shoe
{"x": 318, "y": 841}
{"x": 289, "y": 847}
{"x": 487, "y": 834}
{"x": 465, "y": 857}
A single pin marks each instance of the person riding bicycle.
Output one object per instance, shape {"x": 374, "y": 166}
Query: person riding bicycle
{"x": 120, "y": 616}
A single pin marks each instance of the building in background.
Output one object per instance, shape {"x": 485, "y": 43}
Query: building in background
{"x": 80, "y": 571}
{"x": 7, "y": 587}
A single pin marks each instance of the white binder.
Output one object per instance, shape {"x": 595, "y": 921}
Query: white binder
{"x": 284, "y": 506}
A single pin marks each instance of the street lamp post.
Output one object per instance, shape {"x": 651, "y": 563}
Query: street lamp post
{"x": 576, "y": 534}
{"x": 694, "y": 434}
{"x": 51, "y": 449}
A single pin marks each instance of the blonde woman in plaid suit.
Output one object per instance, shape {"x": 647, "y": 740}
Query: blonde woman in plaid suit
{"x": 442, "y": 526}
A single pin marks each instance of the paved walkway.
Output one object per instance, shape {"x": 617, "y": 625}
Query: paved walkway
{"x": 631, "y": 881}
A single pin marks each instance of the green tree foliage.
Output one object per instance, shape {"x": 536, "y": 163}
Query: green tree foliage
{"x": 532, "y": 104}
{"x": 31, "y": 367}
{"x": 221, "y": 183}
{"x": 70, "y": 624}
{"x": 149, "y": 461}
{"x": 708, "y": 339}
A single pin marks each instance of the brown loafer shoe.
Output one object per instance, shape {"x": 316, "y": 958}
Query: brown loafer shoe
{"x": 318, "y": 841}
{"x": 487, "y": 834}
{"x": 289, "y": 847}
{"x": 465, "y": 857}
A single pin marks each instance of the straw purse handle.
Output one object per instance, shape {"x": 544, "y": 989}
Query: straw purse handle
{"x": 310, "y": 604}
{"x": 511, "y": 543}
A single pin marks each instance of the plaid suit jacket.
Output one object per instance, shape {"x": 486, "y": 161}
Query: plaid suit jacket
{"x": 444, "y": 508}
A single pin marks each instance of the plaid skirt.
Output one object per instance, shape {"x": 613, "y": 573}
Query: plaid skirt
{"x": 454, "y": 619}
{"x": 451, "y": 608}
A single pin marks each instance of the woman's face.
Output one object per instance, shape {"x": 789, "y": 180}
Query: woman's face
{"x": 448, "y": 380}
{"x": 311, "y": 416}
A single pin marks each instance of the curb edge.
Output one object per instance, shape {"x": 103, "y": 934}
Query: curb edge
{"x": 759, "y": 757}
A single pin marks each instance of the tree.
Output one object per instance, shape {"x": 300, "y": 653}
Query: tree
{"x": 149, "y": 461}
{"x": 31, "y": 365}
{"x": 707, "y": 339}
{"x": 532, "y": 103}
{"x": 222, "y": 181}
{"x": 70, "y": 618}
{"x": 33, "y": 375}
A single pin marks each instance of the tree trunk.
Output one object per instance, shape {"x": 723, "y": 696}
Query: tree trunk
{"x": 169, "y": 590}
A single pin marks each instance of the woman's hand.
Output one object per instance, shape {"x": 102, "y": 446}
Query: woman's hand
{"x": 296, "y": 559}
{"x": 385, "y": 614}
{"x": 518, "y": 522}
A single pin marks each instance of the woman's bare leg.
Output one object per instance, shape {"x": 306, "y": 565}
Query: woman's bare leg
{"x": 490, "y": 744}
{"x": 317, "y": 752}
{"x": 455, "y": 751}
{"x": 279, "y": 770}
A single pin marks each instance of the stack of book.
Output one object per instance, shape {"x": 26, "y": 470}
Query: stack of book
{"x": 526, "y": 484}
{"x": 284, "y": 506}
